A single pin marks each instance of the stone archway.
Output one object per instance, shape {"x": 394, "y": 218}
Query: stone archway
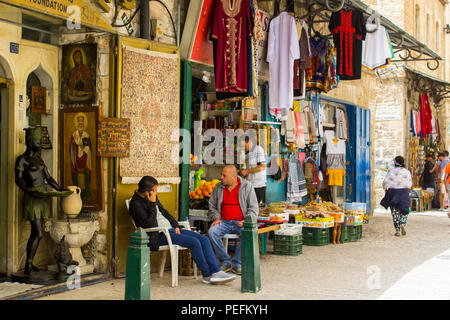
{"x": 4, "y": 170}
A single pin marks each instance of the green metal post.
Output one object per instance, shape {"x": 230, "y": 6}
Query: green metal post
{"x": 137, "y": 281}
{"x": 186, "y": 125}
{"x": 251, "y": 275}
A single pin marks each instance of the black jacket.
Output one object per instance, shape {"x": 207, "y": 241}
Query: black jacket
{"x": 144, "y": 212}
{"x": 397, "y": 199}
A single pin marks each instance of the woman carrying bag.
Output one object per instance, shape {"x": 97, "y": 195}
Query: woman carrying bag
{"x": 397, "y": 184}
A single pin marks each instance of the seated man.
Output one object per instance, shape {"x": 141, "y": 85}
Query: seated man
{"x": 231, "y": 201}
{"x": 148, "y": 212}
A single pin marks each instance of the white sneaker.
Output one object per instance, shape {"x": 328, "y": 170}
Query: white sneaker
{"x": 221, "y": 277}
{"x": 206, "y": 280}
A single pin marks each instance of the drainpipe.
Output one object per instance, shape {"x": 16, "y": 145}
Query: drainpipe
{"x": 144, "y": 20}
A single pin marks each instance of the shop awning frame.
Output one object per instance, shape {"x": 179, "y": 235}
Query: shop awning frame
{"x": 405, "y": 45}
{"x": 421, "y": 82}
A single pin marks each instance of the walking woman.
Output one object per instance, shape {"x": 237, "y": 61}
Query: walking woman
{"x": 397, "y": 184}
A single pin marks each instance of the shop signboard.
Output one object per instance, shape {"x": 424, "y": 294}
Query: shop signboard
{"x": 67, "y": 10}
{"x": 195, "y": 45}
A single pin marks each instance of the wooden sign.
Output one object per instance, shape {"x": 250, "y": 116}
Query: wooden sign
{"x": 113, "y": 137}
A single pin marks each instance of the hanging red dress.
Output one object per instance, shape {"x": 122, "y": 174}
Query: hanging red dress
{"x": 348, "y": 30}
{"x": 232, "y": 28}
{"x": 425, "y": 115}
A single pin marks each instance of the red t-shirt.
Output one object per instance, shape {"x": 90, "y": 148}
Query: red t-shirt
{"x": 231, "y": 210}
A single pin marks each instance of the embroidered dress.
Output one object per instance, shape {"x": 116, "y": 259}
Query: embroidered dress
{"x": 232, "y": 29}
{"x": 300, "y": 65}
{"x": 348, "y": 30}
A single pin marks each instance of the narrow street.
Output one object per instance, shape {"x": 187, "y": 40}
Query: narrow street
{"x": 379, "y": 266}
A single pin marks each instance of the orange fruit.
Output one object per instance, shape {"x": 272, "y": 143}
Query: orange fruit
{"x": 198, "y": 192}
{"x": 209, "y": 189}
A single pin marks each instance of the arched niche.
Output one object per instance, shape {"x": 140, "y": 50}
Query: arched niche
{"x": 40, "y": 78}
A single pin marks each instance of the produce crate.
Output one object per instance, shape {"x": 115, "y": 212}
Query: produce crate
{"x": 359, "y": 232}
{"x": 316, "y": 236}
{"x": 287, "y": 245}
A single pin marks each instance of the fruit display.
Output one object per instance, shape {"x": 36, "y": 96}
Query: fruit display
{"x": 314, "y": 215}
{"x": 204, "y": 189}
{"x": 323, "y": 207}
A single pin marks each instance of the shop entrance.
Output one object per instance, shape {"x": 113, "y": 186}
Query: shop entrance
{"x": 3, "y": 171}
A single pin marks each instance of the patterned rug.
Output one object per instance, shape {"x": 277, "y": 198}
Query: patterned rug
{"x": 150, "y": 98}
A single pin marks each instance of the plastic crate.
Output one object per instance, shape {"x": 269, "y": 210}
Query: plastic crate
{"x": 359, "y": 231}
{"x": 316, "y": 236}
{"x": 290, "y": 245}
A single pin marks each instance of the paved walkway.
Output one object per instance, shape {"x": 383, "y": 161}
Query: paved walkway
{"x": 379, "y": 266}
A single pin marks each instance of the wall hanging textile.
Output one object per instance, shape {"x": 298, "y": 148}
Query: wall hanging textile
{"x": 150, "y": 99}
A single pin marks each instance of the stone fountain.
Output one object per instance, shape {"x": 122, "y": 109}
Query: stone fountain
{"x": 77, "y": 231}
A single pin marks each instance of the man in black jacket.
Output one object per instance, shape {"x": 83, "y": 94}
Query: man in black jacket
{"x": 147, "y": 212}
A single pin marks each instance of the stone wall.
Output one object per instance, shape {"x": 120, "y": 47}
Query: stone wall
{"x": 100, "y": 241}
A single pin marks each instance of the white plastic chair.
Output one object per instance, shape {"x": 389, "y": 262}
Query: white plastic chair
{"x": 172, "y": 248}
{"x": 227, "y": 237}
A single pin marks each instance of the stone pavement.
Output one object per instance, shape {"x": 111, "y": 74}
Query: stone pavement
{"x": 379, "y": 266}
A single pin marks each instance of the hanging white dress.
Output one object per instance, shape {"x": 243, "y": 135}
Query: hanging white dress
{"x": 376, "y": 51}
{"x": 283, "y": 48}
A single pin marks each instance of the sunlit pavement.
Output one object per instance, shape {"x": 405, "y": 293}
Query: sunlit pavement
{"x": 379, "y": 266}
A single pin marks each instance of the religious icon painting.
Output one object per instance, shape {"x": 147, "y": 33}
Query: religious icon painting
{"x": 79, "y": 66}
{"x": 38, "y": 99}
{"x": 80, "y": 165}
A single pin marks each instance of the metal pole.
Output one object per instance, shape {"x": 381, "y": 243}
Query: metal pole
{"x": 144, "y": 16}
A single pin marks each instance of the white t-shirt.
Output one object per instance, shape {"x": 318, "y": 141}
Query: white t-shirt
{"x": 334, "y": 146}
{"x": 254, "y": 158}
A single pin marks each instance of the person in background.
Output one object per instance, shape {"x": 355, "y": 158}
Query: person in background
{"x": 256, "y": 168}
{"x": 443, "y": 161}
{"x": 147, "y": 212}
{"x": 232, "y": 200}
{"x": 397, "y": 183}
{"x": 429, "y": 176}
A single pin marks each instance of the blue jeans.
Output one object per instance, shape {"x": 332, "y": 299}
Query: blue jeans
{"x": 217, "y": 232}
{"x": 200, "y": 246}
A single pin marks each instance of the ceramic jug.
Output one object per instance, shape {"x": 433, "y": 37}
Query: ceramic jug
{"x": 71, "y": 205}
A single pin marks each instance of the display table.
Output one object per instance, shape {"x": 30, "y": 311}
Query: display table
{"x": 262, "y": 236}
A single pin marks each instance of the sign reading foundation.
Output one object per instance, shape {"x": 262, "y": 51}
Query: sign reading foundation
{"x": 71, "y": 10}
{"x": 113, "y": 137}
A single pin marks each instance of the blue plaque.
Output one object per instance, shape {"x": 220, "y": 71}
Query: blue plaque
{"x": 14, "y": 47}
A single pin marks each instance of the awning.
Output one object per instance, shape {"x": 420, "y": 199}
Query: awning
{"x": 421, "y": 82}
{"x": 408, "y": 47}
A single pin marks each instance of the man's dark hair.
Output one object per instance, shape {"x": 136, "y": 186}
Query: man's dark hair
{"x": 441, "y": 154}
{"x": 147, "y": 183}
{"x": 446, "y": 153}
{"x": 430, "y": 155}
